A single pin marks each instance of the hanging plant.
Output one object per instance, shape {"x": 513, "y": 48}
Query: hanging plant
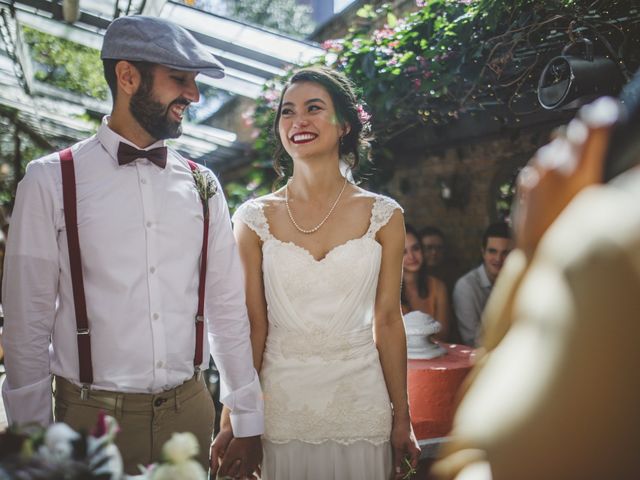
{"x": 456, "y": 58}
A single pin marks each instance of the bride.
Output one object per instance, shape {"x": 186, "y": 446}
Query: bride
{"x": 323, "y": 264}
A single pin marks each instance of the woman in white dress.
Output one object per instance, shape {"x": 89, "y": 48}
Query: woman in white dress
{"x": 323, "y": 264}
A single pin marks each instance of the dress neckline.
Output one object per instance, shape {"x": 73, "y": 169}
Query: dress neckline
{"x": 271, "y": 236}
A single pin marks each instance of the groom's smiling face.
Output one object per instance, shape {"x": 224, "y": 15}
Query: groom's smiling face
{"x": 161, "y": 100}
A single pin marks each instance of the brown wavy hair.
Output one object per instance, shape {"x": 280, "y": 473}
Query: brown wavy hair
{"x": 423, "y": 272}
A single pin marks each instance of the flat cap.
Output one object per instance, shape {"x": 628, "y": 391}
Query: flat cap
{"x": 150, "y": 39}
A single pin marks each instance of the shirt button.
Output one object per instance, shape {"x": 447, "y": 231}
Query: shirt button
{"x": 156, "y": 316}
{"x": 152, "y": 269}
{"x": 159, "y": 364}
{"x": 148, "y": 224}
{"x": 143, "y": 180}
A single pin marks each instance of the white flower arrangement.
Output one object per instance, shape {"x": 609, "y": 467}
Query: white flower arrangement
{"x": 60, "y": 452}
{"x": 178, "y": 462}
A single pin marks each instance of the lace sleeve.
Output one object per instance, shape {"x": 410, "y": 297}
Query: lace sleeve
{"x": 250, "y": 213}
{"x": 383, "y": 208}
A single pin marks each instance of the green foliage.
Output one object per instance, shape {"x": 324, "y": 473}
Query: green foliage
{"x": 66, "y": 64}
{"x": 10, "y": 169}
{"x": 455, "y": 58}
{"x": 283, "y": 15}
{"x": 63, "y": 64}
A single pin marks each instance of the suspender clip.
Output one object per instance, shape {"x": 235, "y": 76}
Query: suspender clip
{"x": 83, "y": 331}
{"x": 199, "y": 318}
{"x": 84, "y": 392}
{"x": 198, "y": 374}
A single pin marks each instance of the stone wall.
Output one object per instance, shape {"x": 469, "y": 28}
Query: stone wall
{"x": 478, "y": 169}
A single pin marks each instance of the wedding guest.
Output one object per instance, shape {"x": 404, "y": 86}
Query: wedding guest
{"x": 121, "y": 328}
{"x": 438, "y": 257}
{"x": 420, "y": 290}
{"x": 472, "y": 290}
{"x": 323, "y": 262}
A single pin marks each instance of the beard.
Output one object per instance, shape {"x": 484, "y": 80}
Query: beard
{"x": 153, "y": 116}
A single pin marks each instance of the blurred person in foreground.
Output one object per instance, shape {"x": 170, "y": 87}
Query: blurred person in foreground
{"x": 556, "y": 394}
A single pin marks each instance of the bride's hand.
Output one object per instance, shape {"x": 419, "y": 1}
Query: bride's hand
{"x": 219, "y": 447}
{"x": 406, "y": 451}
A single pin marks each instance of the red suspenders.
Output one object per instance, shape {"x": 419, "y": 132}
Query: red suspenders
{"x": 75, "y": 266}
{"x": 197, "y": 359}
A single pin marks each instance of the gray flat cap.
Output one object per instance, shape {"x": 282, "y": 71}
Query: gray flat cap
{"x": 155, "y": 40}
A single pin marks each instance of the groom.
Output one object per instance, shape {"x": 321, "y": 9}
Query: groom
{"x": 120, "y": 257}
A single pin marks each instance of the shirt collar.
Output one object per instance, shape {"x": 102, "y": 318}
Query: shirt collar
{"x": 110, "y": 140}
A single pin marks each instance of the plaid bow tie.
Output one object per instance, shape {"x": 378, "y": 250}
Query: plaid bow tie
{"x": 127, "y": 154}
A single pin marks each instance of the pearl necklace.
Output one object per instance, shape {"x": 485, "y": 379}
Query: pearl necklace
{"x": 317, "y": 227}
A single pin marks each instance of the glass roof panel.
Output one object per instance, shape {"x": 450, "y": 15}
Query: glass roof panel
{"x": 251, "y": 55}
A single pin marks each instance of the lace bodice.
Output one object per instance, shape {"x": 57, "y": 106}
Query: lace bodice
{"x": 252, "y": 214}
{"x": 321, "y": 374}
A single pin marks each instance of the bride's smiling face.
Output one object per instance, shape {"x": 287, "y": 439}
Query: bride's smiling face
{"x": 308, "y": 124}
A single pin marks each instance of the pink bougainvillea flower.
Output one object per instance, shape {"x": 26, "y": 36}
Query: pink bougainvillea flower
{"x": 333, "y": 46}
{"x": 248, "y": 117}
{"x": 363, "y": 115}
{"x": 382, "y": 33}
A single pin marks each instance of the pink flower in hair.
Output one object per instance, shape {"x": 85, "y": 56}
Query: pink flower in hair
{"x": 363, "y": 115}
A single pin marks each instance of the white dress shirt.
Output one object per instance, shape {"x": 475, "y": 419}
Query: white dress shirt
{"x": 470, "y": 296}
{"x": 140, "y": 230}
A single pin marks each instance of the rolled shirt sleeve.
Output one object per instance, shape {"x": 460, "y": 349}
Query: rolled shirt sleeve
{"x": 228, "y": 325}
{"x": 29, "y": 290}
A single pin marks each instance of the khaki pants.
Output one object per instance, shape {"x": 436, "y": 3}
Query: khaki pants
{"x": 146, "y": 421}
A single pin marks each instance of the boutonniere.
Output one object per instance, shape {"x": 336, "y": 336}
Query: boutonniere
{"x": 206, "y": 186}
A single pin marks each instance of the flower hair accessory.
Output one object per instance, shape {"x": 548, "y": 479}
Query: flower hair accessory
{"x": 363, "y": 115}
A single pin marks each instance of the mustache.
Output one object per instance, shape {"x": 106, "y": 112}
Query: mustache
{"x": 181, "y": 101}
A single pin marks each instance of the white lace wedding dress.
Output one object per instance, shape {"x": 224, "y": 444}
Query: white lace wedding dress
{"x": 327, "y": 410}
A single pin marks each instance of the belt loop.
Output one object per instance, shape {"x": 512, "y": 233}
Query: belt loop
{"x": 176, "y": 393}
{"x": 84, "y": 391}
{"x": 119, "y": 405}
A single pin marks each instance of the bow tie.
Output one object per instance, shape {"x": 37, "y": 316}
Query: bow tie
{"x": 127, "y": 154}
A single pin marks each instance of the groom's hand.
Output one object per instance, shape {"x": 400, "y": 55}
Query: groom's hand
{"x": 240, "y": 456}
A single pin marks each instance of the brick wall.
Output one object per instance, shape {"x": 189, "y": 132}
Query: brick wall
{"x": 484, "y": 165}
